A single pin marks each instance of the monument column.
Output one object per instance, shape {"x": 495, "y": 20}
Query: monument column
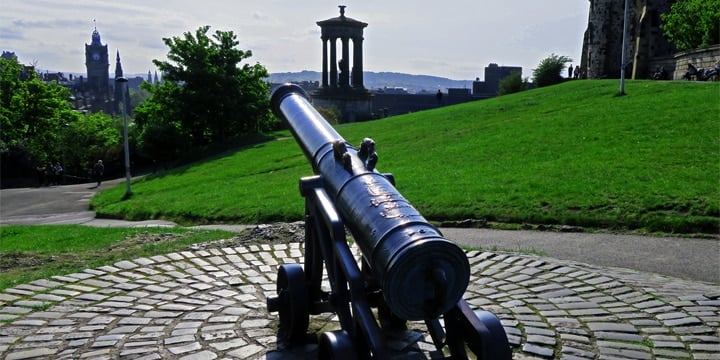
{"x": 357, "y": 78}
{"x": 333, "y": 63}
{"x": 345, "y": 69}
{"x": 325, "y": 62}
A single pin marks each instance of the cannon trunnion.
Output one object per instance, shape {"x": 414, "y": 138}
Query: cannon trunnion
{"x": 408, "y": 270}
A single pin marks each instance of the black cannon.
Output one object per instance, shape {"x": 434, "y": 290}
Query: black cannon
{"x": 408, "y": 271}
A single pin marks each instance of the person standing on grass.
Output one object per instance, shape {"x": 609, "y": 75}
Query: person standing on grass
{"x": 98, "y": 170}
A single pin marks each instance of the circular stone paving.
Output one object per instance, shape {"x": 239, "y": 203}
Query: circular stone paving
{"x": 208, "y": 304}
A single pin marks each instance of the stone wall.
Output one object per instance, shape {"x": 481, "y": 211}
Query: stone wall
{"x": 602, "y": 43}
{"x": 655, "y": 64}
{"x": 700, "y": 58}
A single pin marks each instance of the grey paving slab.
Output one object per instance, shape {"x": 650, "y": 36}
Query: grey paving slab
{"x": 184, "y": 306}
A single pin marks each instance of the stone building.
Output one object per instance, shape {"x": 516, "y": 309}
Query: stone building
{"x": 98, "y": 92}
{"x": 646, "y": 47}
{"x": 493, "y": 75}
{"x": 119, "y": 90}
{"x": 97, "y": 87}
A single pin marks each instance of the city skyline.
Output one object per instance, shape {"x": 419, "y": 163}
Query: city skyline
{"x": 428, "y": 38}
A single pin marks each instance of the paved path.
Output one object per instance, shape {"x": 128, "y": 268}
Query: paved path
{"x": 208, "y": 304}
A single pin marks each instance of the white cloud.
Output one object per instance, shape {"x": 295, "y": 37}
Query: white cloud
{"x": 452, "y": 39}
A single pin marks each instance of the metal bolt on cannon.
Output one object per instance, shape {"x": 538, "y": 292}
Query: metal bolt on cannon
{"x": 408, "y": 271}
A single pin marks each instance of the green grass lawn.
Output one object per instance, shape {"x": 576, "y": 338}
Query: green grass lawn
{"x": 573, "y": 154}
{"x": 37, "y": 252}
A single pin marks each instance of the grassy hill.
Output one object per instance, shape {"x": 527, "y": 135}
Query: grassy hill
{"x": 573, "y": 154}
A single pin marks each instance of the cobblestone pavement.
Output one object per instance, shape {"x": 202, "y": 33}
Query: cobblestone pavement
{"x": 208, "y": 304}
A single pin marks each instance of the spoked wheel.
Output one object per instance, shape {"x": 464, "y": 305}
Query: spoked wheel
{"x": 293, "y": 306}
{"x": 336, "y": 345}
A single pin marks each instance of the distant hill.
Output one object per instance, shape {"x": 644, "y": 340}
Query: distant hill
{"x": 373, "y": 80}
{"x": 376, "y": 80}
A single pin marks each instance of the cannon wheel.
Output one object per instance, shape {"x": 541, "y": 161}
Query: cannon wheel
{"x": 293, "y": 311}
{"x": 336, "y": 345}
{"x": 495, "y": 344}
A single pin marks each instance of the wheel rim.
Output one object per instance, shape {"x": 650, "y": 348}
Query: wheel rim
{"x": 293, "y": 312}
{"x": 336, "y": 345}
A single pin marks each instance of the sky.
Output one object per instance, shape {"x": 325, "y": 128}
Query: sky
{"x": 455, "y": 39}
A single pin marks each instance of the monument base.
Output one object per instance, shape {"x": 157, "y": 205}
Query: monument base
{"x": 353, "y": 104}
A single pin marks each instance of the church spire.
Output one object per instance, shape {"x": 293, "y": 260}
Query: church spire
{"x": 122, "y": 93}
{"x": 118, "y": 66}
{"x": 95, "y": 35}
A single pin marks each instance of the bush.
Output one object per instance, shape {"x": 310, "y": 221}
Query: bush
{"x": 161, "y": 142}
{"x": 512, "y": 83}
{"x": 549, "y": 72}
{"x": 331, "y": 114}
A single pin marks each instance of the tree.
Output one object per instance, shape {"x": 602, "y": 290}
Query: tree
{"x": 692, "y": 24}
{"x": 549, "y": 71}
{"x": 137, "y": 96}
{"x": 39, "y": 126}
{"x": 161, "y": 133}
{"x": 32, "y": 113}
{"x": 206, "y": 91}
{"x": 92, "y": 137}
{"x": 512, "y": 83}
{"x": 10, "y": 87}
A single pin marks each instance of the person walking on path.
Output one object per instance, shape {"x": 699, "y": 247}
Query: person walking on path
{"x": 97, "y": 171}
{"x": 58, "y": 173}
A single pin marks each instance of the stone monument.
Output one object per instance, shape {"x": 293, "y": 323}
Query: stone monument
{"x": 342, "y": 79}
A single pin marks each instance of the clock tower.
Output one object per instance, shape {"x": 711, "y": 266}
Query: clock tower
{"x": 97, "y": 64}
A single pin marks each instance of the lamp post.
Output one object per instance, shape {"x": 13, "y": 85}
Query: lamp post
{"x": 624, "y": 51}
{"x": 121, "y": 81}
{"x": 64, "y": 164}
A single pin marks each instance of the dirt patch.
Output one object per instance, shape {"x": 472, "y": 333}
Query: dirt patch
{"x": 144, "y": 238}
{"x": 15, "y": 260}
{"x": 274, "y": 233}
{"x": 280, "y": 233}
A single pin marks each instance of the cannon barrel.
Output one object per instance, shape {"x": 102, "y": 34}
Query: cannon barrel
{"x": 422, "y": 275}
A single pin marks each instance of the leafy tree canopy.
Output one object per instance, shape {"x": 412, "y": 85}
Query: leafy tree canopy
{"x": 512, "y": 83}
{"x": 549, "y": 71}
{"x": 92, "y": 137}
{"x": 206, "y": 92}
{"x": 692, "y": 24}
{"x": 32, "y": 113}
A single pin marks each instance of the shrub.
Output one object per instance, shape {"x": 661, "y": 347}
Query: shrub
{"x": 331, "y": 114}
{"x": 512, "y": 83}
{"x": 550, "y": 69}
